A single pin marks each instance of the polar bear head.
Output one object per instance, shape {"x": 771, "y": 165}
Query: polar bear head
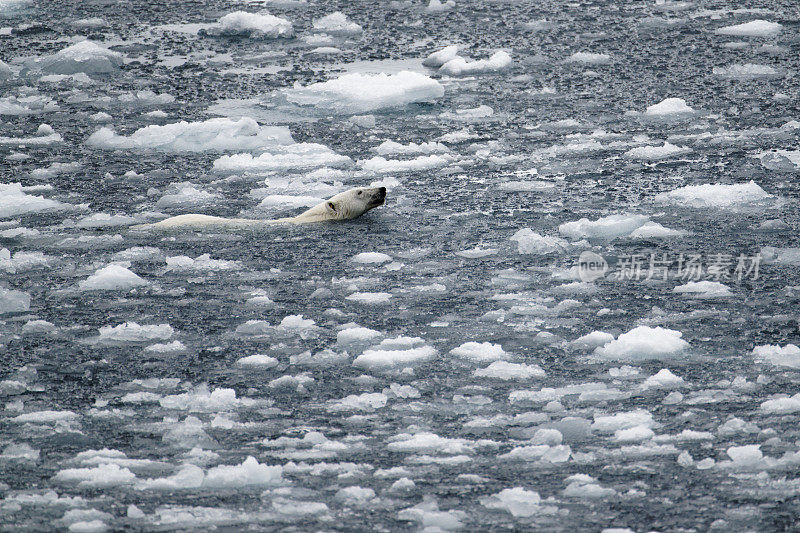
{"x": 345, "y": 205}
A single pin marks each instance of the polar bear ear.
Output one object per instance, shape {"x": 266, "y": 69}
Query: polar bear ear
{"x": 332, "y": 206}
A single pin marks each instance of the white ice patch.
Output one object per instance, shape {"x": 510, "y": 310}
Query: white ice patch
{"x": 12, "y": 301}
{"x": 131, "y": 332}
{"x": 440, "y": 57}
{"x": 614, "y": 226}
{"x": 336, "y": 23}
{"x": 369, "y": 401}
{"x": 669, "y": 107}
{"x": 371, "y": 258}
{"x": 644, "y": 343}
{"x": 104, "y": 475}
{"x": 754, "y": 28}
{"x": 774, "y": 354}
{"x": 254, "y": 25}
{"x": 395, "y": 148}
{"x": 460, "y": 66}
{"x": 704, "y": 289}
{"x": 85, "y": 56}
{"x": 298, "y": 156}
{"x": 381, "y": 165}
{"x": 715, "y": 195}
{"x": 216, "y": 134}
{"x": 369, "y": 298}
{"x": 112, "y": 278}
{"x": 589, "y": 58}
{"x": 395, "y": 353}
{"x": 747, "y": 71}
{"x": 519, "y": 502}
{"x": 259, "y": 360}
{"x": 202, "y": 400}
{"x": 202, "y": 263}
{"x": 186, "y": 195}
{"x": 656, "y": 153}
{"x": 15, "y": 202}
{"x": 663, "y": 379}
{"x": 481, "y": 352}
{"x": 361, "y": 93}
{"x": 509, "y": 371}
{"x": 530, "y": 242}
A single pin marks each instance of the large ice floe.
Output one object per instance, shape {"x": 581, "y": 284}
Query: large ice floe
{"x": 85, "y": 56}
{"x": 362, "y": 93}
{"x": 716, "y": 195}
{"x": 254, "y": 25}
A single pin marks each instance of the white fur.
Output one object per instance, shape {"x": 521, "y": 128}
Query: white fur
{"x": 344, "y": 206}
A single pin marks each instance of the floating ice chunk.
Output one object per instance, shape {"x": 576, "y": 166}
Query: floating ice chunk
{"x": 181, "y": 263}
{"x": 394, "y": 148}
{"x": 608, "y": 227}
{"x": 382, "y": 165}
{"x": 361, "y": 93}
{"x": 371, "y": 258}
{"x": 480, "y": 352}
{"x": 508, "y": 371}
{"x": 112, "y": 278}
{"x": 186, "y": 195}
{"x": 704, "y": 289}
{"x": 439, "y": 6}
{"x": 643, "y": 343}
{"x": 459, "y": 66}
{"x": 369, "y": 401}
{"x": 19, "y": 452}
{"x": 669, "y": 107}
{"x": 518, "y": 501}
{"x": 440, "y": 57}
{"x": 477, "y": 252}
{"x": 592, "y": 340}
{"x": 748, "y": 71}
{"x": 623, "y": 420}
{"x": 298, "y": 156}
{"x": 336, "y": 22}
{"x": 12, "y": 301}
{"x": 45, "y": 417}
{"x": 633, "y": 434}
{"x": 656, "y": 153}
{"x": 385, "y": 356}
{"x": 779, "y": 406}
{"x": 15, "y": 202}
{"x": 663, "y": 379}
{"x": 104, "y": 475}
{"x": 187, "y": 477}
{"x": 216, "y": 134}
{"x": 254, "y": 25}
{"x": 282, "y": 201}
{"x": 133, "y": 332}
{"x": 586, "y": 487}
{"x": 428, "y": 515}
{"x": 782, "y": 160}
{"x": 84, "y": 56}
{"x": 654, "y": 230}
{"x": 715, "y": 195}
{"x": 754, "y": 28}
{"x": 369, "y": 298}
{"x": 104, "y": 220}
{"x": 32, "y": 104}
{"x": 202, "y": 400}
{"x": 530, "y": 242}
{"x": 356, "y": 335}
{"x": 249, "y": 473}
{"x": 788, "y": 356}
{"x": 428, "y": 443}
{"x": 56, "y": 169}
{"x": 259, "y": 360}
{"x": 589, "y": 58}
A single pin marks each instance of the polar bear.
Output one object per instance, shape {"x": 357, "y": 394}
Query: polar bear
{"x": 344, "y": 206}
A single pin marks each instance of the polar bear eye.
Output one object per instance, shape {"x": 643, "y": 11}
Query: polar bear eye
{"x": 359, "y": 192}
{"x": 331, "y": 206}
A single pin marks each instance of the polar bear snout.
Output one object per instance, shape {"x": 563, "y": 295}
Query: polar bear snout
{"x": 378, "y": 196}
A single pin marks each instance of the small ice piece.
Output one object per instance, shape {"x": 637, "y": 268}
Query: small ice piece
{"x": 440, "y": 57}
{"x": 644, "y": 343}
{"x": 249, "y": 473}
{"x": 369, "y": 298}
{"x": 298, "y": 156}
{"x": 371, "y": 258}
{"x": 19, "y": 452}
{"x": 589, "y": 58}
{"x": 258, "y": 360}
{"x": 779, "y": 406}
{"x": 85, "y": 56}
{"x": 781, "y": 160}
{"x": 663, "y": 379}
{"x": 633, "y": 434}
{"x": 14, "y": 201}
{"x": 481, "y": 352}
{"x": 189, "y": 476}
{"x": 356, "y": 335}
{"x": 754, "y": 28}
{"x": 202, "y": 400}
{"x": 12, "y": 301}
{"x": 622, "y": 420}
{"x": 362, "y": 93}
{"x": 748, "y": 71}
{"x": 592, "y": 340}
{"x": 133, "y": 332}
{"x": 459, "y": 66}
{"x": 608, "y": 227}
{"x": 427, "y": 442}
{"x": 669, "y": 107}
{"x": 216, "y": 134}
{"x": 203, "y": 262}
{"x": 336, "y": 23}
{"x": 518, "y": 501}
{"x": 254, "y": 25}
{"x": 509, "y": 371}
{"x": 439, "y": 6}
{"x": 656, "y": 153}
{"x": 381, "y": 165}
{"x": 395, "y": 148}
{"x": 386, "y": 356}
{"x": 369, "y": 401}
{"x": 429, "y": 517}
{"x": 112, "y": 278}
{"x": 530, "y": 242}
{"x": 788, "y": 356}
{"x": 715, "y": 195}
{"x": 186, "y": 195}
{"x": 166, "y": 348}
{"x": 586, "y": 487}
{"x": 704, "y": 289}
{"x": 103, "y": 475}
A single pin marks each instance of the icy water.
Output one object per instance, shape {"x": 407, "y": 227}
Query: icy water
{"x": 444, "y": 362}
